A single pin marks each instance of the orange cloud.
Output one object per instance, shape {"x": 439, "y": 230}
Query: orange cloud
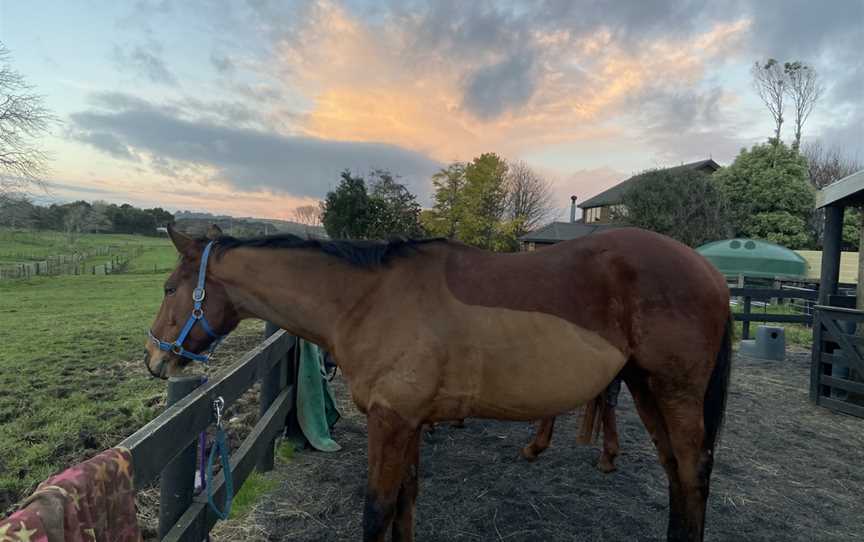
{"x": 367, "y": 83}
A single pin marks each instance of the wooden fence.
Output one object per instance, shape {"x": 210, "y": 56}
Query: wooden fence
{"x": 837, "y": 357}
{"x": 72, "y": 264}
{"x": 165, "y": 448}
{"x": 748, "y": 295}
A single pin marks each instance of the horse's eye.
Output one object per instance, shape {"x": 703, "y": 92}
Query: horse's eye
{"x": 170, "y": 291}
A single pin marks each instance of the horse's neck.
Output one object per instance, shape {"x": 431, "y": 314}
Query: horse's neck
{"x": 301, "y": 290}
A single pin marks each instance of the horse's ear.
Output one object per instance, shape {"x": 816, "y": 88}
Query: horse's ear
{"x": 214, "y": 232}
{"x": 182, "y": 242}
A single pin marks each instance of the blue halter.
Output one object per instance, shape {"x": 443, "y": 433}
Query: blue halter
{"x": 196, "y": 316}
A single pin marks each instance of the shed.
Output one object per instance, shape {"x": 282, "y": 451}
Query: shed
{"x": 754, "y": 258}
{"x": 837, "y": 367}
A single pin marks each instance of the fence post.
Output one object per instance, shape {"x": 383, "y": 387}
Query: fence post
{"x": 271, "y": 385}
{"x": 177, "y": 480}
{"x": 745, "y": 325}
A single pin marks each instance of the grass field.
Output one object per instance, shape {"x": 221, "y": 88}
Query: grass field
{"x": 71, "y": 374}
{"x": 26, "y": 245}
{"x": 848, "y": 265}
{"x": 796, "y": 334}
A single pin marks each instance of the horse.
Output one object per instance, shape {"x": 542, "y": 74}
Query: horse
{"x": 599, "y": 414}
{"x": 433, "y": 330}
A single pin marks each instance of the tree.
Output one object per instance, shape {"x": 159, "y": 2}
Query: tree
{"x": 685, "y": 205}
{"x": 80, "y": 217}
{"x": 395, "y": 211}
{"x": 804, "y": 88}
{"x": 345, "y": 211}
{"x": 484, "y": 202}
{"x": 529, "y": 197}
{"x": 17, "y": 212}
{"x": 770, "y": 82}
{"x": 23, "y": 118}
{"x": 448, "y": 184}
{"x": 309, "y": 215}
{"x": 824, "y": 166}
{"x": 351, "y": 212}
{"x": 769, "y": 194}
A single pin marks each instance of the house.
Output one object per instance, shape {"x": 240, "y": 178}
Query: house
{"x": 555, "y": 232}
{"x": 596, "y": 212}
{"x": 600, "y": 208}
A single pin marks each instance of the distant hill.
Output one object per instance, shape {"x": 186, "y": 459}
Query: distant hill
{"x": 196, "y": 223}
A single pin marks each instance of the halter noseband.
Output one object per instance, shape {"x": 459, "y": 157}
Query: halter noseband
{"x": 196, "y": 316}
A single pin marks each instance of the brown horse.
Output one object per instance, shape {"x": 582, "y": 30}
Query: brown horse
{"x": 599, "y": 414}
{"x": 428, "y": 331}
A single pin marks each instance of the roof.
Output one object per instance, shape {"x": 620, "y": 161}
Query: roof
{"x": 846, "y": 191}
{"x": 754, "y": 258}
{"x": 615, "y": 195}
{"x": 564, "y": 231}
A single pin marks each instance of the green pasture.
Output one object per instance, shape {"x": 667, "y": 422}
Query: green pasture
{"x": 70, "y": 372}
{"x": 28, "y": 245}
{"x": 796, "y": 334}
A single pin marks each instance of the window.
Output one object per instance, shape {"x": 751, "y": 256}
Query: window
{"x": 592, "y": 214}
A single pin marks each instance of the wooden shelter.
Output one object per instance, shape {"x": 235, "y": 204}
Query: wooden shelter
{"x": 837, "y": 366}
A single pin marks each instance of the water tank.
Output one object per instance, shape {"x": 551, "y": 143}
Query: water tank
{"x": 754, "y": 258}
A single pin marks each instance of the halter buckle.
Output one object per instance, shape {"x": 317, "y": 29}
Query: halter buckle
{"x": 198, "y": 294}
{"x": 177, "y": 348}
{"x": 197, "y": 313}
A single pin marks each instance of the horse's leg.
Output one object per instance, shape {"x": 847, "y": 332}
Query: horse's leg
{"x": 652, "y": 418}
{"x": 683, "y": 417}
{"x": 541, "y": 439}
{"x": 403, "y": 524}
{"x": 610, "y": 441}
{"x": 391, "y": 439}
{"x": 610, "y": 428}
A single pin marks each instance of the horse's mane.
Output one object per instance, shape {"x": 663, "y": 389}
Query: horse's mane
{"x": 355, "y": 252}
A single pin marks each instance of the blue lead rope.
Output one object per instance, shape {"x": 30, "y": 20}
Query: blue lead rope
{"x": 221, "y": 445}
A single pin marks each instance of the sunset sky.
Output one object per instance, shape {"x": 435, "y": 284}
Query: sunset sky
{"x": 252, "y": 108}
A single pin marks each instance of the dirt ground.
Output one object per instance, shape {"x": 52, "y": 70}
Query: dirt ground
{"x": 786, "y": 470}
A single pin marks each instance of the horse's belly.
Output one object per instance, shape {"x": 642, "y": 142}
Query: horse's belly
{"x": 524, "y": 366}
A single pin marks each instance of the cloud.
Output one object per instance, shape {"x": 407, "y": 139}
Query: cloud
{"x": 146, "y": 62}
{"x": 505, "y": 86}
{"x": 454, "y": 79}
{"x": 222, "y": 63}
{"x": 176, "y": 145}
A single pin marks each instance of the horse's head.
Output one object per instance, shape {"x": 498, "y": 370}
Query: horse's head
{"x": 196, "y": 311}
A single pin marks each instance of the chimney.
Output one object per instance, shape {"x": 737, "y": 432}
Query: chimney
{"x": 572, "y": 208}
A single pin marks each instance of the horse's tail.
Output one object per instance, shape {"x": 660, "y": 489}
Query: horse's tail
{"x": 592, "y": 419}
{"x": 718, "y": 385}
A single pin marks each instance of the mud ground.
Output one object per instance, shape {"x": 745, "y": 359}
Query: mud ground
{"x": 785, "y": 470}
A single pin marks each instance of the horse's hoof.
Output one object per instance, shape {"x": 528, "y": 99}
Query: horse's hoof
{"x": 528, "y": 453}
{"x": 605, "y": 466}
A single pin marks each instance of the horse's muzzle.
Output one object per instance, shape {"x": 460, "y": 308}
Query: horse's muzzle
{"x": 161, "y": 369}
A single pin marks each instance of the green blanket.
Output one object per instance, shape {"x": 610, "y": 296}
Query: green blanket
{"x": 316, "y": 408}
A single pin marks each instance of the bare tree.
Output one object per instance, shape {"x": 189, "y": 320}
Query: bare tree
{"x": 16, "y": 212}
{"x": 805, "y": 89}
{"x": 309, "y": 215}
{"x": 530, "y": 197}
{"x": 770, "y": 81}
{"x": 81, "y": 217}
{"x": 826, "y": 165}
{"x": 23, "y": 118}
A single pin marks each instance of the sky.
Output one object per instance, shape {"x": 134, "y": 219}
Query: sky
{"x": 254, "y": 108}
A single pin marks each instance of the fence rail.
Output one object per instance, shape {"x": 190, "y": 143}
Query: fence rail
{"x": 749, "y": 294}
{"x": 159, "y": 443}
{"x": 73, "y": 264}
